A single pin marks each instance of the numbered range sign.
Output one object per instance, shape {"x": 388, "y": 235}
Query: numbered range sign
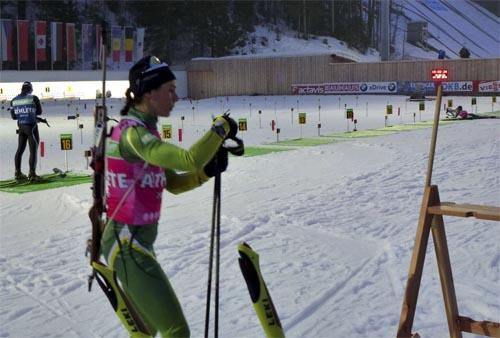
{"x": 450, "y": 103}
{"x": 66, "y": 141}
{"x": 494, "y": 99}
{"x": 302, "y": 118}
{"x": 388, "y": 109}
{"x": 473, "y": 101}
{"x": 166, "y": 131}
{"x": 421, "y": 106}
{"x": 242, "y": 124}
{"x": 349, "y": 114}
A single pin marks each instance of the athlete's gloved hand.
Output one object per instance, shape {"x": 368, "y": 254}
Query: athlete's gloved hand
{"x": 225, "y": 126}
{"x": 218, "y": 163}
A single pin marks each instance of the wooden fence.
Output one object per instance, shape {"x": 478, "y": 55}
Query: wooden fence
{"x": 275, "y": 75}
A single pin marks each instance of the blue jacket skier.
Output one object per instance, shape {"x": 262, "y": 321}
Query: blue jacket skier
{"x": 25, "y": 108}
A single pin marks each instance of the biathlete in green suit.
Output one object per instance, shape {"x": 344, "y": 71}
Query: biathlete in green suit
{"x": 139, "y": 167}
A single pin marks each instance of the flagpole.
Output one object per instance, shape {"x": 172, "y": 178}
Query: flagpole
{"x": 1, "y": 43}
{"x": 51, "y": 44}
{"x": 17, "y": 35}
{"x": 83, "y": 56}
{"x": 67, "y": 49}
{"x": 36, "y": 45}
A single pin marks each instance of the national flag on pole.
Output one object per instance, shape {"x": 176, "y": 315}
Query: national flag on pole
{"x": 56, "y": 38}
{"x": 139, "y": 43}
{"x": 98, "y": 43}
{"x": 23, "y": 29}
{"x": 129, "y": 44}
{"x": 7, "y": 40}
{"x": 88, "y": 42}
{"x": 70, "y": 42}
{"x": 116, "y": 41}
{"x": 41, "y": 40}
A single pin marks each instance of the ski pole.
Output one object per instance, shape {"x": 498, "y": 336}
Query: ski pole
{"x": 237, "y": 150}
{"x": 217, "y": 254}
{"x": 214, "y": 228}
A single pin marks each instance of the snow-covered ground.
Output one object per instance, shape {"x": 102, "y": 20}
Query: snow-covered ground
{"x": 334, "y": 224}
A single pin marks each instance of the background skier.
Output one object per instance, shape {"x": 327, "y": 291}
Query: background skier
{"x": 459, "y": 113}
{"x": 25, "y": 108}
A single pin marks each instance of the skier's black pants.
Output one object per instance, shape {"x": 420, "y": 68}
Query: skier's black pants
{"x": 27, "y": 133}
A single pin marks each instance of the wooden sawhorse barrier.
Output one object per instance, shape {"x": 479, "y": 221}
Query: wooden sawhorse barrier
{"x": 431, "y": 219}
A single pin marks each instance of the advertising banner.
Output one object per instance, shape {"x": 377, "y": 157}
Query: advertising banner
{"x": 423, "y": 87}
{"x": 379, "y": 87}
{"x": 345, "y": 88}
{"x": 489, "y": 86}
{"x": 458, "y": 86}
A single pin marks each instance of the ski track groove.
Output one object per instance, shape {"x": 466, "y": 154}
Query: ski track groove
{"x": 313, "y": 306}
{"x": 84, "y": 332}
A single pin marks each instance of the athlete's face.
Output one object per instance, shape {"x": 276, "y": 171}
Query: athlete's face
{"x": 162, "y": 99}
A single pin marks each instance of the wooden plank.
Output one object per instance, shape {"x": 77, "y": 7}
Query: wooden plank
{"x": 466, "y": 210}
{"x": 485, "y": 328}
{"x": 431, "y": 197}
{"x": 445, "y": 275}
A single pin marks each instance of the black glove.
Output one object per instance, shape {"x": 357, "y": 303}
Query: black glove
{"x": 233, "y": 126}
{"x": 218, "y": 127}
{"x": 218, "y": 163}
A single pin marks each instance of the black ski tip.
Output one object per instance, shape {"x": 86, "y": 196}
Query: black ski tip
{"x": 247, "y": 245}
{"x": 251, "y": 276}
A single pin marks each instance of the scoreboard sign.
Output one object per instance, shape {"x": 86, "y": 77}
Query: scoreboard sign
{"x": 166, "y": 131}
{"x": 242, "y": 124}
{"x": 66, "y": 141}
{"x": 349, "y": 114}
{"x": 302, "y": 118}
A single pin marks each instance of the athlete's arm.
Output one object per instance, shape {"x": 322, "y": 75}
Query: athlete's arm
{"x": 138, "y": 143}
{"x": 38, "y": 105}
{"x": 12, "y": 113}
{"x": 181, "y": 182}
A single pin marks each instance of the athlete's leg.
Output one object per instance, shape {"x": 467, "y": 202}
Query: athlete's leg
{"x": 143, "y": 279}
{"x": 33, "y": 141}
{"x": 21, "y": 146}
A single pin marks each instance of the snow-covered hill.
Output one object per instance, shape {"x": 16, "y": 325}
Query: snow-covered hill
{"x": 451, "y": 26}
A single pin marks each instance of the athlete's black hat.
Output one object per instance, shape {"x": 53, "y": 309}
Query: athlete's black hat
{"x": 147, "y": 74}
{"x": 27, "y": 88}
